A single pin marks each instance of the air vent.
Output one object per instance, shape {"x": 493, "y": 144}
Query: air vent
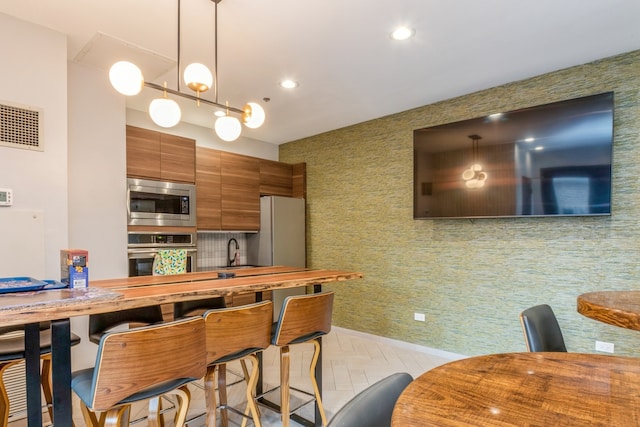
{"x": 21, "y": 126}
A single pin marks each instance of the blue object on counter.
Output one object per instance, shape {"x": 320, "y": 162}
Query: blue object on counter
{"x": 226, "y": 275}
{"x": 20, "y": 284}
{"x": 54, "y": 284}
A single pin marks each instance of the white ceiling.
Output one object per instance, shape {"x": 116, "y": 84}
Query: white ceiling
{"x": 349, "y": 69}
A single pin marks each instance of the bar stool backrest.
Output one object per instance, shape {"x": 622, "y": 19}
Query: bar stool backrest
{"x": 237, "y": 331}
{"x": 147, "y": 359}
{"x": 196, "y": 307}
{"x": 303, "y": 317}
{"x": 101, "y": 323}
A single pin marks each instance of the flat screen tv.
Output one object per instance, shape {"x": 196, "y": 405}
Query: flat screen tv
{"x": 548, "y": 160}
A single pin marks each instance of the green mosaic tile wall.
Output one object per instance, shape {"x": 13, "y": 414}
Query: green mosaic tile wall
{"x": 470, "y": 277}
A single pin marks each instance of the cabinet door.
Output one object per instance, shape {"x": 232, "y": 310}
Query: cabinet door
{"x": 240, "y": 185}
{"x": 276, "y": 178}
{"x": 143, "y": 153}
{"x": 177, "y": 158}
{"x": 208, "y": 211}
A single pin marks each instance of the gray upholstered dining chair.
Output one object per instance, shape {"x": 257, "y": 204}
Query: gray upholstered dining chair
{"x": 373, "y": 406}
{"x": 541, "y": 329}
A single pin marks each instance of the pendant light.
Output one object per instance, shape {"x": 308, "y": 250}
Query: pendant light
{"x": 128, "y": 80}
{"x": 165, "y": 112}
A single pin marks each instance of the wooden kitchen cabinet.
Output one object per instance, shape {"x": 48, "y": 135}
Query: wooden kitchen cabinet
{"x": 208, "y": 195}
{"x": 160, "y": 156}
{"x": 276, "y": 178}
{"x": 240, "y": 192}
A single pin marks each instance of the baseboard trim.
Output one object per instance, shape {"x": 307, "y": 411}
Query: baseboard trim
{"x": 402, "y": 344}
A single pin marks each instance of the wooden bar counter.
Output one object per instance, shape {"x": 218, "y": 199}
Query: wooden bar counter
{"x": 103, "y": 296}
{"x": 118, "y": 294}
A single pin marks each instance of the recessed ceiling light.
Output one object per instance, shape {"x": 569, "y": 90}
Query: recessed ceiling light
{"x": 539, "y": 148}
{"x": 402, "y": 33}
{"x": 289, "y": 84}
{"x": 530, "y": 139}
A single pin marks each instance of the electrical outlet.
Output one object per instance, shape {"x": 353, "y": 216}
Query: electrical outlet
{"x": 607, "y": 347}
{"x": 419, "y": 317}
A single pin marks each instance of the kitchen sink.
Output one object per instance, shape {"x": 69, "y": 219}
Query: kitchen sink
{"x": 237, "y": 267}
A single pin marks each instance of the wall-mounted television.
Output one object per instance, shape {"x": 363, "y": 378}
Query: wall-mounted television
{"x": 547, "y": 160}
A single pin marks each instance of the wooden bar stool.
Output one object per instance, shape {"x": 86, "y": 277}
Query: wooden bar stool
{"x": 141, "y": 363}
{"x": 101, "y": 323}
{"x": 303, "y": 318}
{"x": 12, "y": 351}
{"x": 235, "y": 333}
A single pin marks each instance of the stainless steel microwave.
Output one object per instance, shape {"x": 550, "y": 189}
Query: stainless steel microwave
{"x": 160, "y": 203}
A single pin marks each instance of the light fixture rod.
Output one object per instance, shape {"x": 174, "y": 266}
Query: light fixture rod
{"x": 215, "y": 50}
{"x": 191, "y": 97}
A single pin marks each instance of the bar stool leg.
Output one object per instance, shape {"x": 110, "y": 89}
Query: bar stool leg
{"x": 222, "y": 392}
{"x": 4, "y": 397}
{"x": 183, "y": 395}
{"x": 285, "y": 361}
{"x": 312, "y": 374}
{"x": 210, "y": 395}
{"x": 90, "y": 418}
{"x": 155, "y": 417}
{"x": 117, "y": 417}
{"x": 252, "y": 381}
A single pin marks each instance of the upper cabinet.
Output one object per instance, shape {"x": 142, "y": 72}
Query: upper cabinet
{"x": 276, "y": 178}
{"x": 208, "y": 196}
{"x": 240, "y": 191}
{"x": 156, "y": 155}
{"x": 283, "y": 179}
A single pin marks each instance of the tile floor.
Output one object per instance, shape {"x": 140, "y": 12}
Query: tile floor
{"x": 351, "y": 362}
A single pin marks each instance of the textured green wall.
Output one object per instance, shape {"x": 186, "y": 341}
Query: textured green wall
{"x": 471, "y": 278}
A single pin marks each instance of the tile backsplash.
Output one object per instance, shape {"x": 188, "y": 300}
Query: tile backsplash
{"x": 212, "y": 249}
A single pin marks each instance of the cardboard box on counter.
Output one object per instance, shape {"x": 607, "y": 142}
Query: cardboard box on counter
{"x": 74, "y": 267}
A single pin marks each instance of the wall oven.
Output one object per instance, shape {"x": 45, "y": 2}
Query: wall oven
{"x": 142, "y": 247}
{"x": 159, "y": 203}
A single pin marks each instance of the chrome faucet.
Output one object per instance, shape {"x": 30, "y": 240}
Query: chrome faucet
{"x": 230, "y": 260}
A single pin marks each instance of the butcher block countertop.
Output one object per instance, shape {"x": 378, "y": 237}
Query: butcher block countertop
{"x": 118, "y": 294}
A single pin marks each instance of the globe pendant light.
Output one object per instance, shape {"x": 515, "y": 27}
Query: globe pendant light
{"x": 228, "y": 128}
{"x": 165, "y": 112}
{"x": 198, "y": 77}
{"x": 253, "y": 115}
{"x": 126, "y": 78}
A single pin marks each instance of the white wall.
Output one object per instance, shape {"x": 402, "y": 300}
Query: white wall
{"x": 97, "y": 185}
{"x": 97, "y": 172}
{"x": 34, "y": 73}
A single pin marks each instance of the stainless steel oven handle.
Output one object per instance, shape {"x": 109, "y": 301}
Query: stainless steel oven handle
{"x": 128, "y": 202}
{"x": 154, "y": 250}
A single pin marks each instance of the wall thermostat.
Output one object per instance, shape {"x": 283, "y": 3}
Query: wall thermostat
{"x": 6, "y": 197}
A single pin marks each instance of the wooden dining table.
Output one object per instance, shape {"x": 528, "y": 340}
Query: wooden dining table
{"x": 58, "y": 306}
{"x": 518, "y": 389}
{"x": 617, "y": 308}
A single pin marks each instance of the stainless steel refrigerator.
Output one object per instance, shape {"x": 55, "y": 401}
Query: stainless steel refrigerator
{"x": 280, "y": 241}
